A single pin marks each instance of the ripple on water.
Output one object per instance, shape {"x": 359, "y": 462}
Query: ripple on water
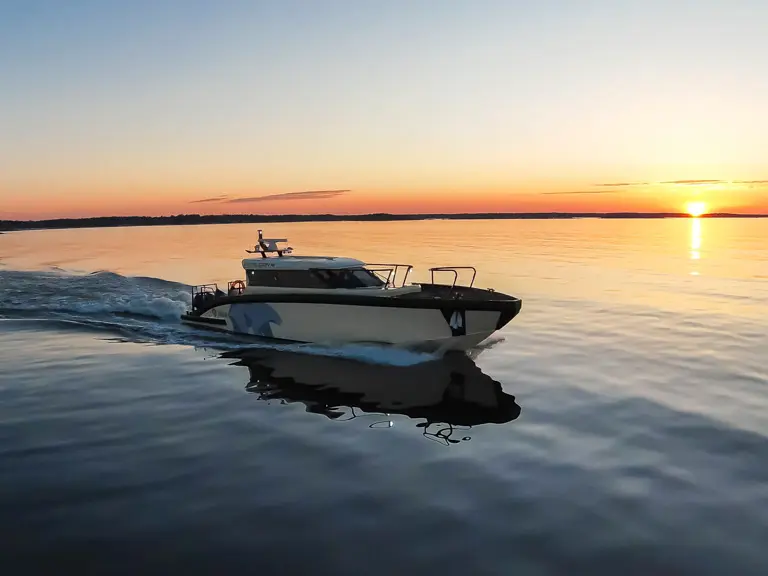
{"x": 635, "y": 449}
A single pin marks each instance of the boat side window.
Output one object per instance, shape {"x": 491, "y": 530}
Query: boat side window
{"x": 284, "y": 279}
{"x": 299, "y": 279}
{"x": 332, "y": 278}
{"x": 262, "y": 278}
{"x": 349, "y": 278}
{"x": 367, "y": 278}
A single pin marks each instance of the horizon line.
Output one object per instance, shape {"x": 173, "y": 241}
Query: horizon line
{"x": 196, "y": 219}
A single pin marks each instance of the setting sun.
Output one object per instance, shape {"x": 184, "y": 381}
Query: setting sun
{"x": 696, "y": 209}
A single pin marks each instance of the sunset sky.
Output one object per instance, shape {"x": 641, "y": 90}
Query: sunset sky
{"x": 189, "y": 106}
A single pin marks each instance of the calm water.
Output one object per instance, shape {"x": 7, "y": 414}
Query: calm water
{"x": 619, "y": 425}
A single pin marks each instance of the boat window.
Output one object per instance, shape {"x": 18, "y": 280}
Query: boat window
{"x": 349, "y": 278}
{"x": 299, "y": 279}
{"x": 367, "y": 278}
{"x": 261, "y": 278}
{"x": 284, "y": 279}
{"x": 338, "y": 278}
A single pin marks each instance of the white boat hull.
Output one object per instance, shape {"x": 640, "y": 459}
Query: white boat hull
{"x": 431, "y": 328}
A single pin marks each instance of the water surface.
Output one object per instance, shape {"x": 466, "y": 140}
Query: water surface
{"x": 619, "y": 424}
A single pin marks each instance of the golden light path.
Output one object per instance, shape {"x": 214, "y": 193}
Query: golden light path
{"x": 696, "y": 239}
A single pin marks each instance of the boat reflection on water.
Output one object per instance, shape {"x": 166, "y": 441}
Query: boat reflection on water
{"x": 450, "y": 394}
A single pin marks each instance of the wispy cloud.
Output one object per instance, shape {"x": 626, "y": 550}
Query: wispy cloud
{"x": 614, "y": 184}
{"x": 691, "y": 182}
{"x": 206, "y": 200}
{"x": 581, "y": 192}
{"x": 303, "y": 195}
{"x": 684, "y": 182}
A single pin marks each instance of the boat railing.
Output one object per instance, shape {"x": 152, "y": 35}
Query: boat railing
{"x": 203, "y": 294}
{"x": 455, "y": 271}
{"x": 392, "y": 272}
{"x": 235, "y": 287}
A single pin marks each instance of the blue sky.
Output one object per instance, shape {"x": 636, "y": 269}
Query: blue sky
{"x": 126, "y": 105}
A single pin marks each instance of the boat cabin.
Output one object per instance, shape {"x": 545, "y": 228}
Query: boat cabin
{"x": 276, "y": 267}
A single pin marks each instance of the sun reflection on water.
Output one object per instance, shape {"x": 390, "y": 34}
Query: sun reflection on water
{"x": 696, "y": 242}
{"x": 695, "y": 239}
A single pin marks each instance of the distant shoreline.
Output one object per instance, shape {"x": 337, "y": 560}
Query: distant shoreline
{"x": 197, "y": 219}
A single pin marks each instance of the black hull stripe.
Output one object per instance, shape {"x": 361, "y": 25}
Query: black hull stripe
{"x": 506, "y": 316}
{"x": 506, "y": 307}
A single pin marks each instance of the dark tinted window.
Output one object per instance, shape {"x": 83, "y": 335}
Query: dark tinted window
{"x": 341, "y": 278}
{"x": 261, "y": 278}
{"x": 367, "y": 278}
{"x": 284, "y": 279}
{"x": 299, "y": 279}
{"x": 344, "y": 278}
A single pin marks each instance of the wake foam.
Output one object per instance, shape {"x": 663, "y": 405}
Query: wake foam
{"x": 145, "y": 310}
{"x": 96, "y": 293}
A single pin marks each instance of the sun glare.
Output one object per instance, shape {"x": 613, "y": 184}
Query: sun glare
{"x": 696, "y": 209}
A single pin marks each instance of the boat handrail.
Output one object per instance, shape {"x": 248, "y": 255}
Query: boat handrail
{"x": 201, "y": 288}
{"x": 455, "y": 270}
{"x": 203, "y": 293}
{"x": 393, "y": 269}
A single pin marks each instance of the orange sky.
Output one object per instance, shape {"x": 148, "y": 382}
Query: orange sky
{"x": 357, "y": 107}
{"x": 723, "y": 196}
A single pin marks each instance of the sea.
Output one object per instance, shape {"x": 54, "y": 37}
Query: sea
{"x": 618, "y": 425}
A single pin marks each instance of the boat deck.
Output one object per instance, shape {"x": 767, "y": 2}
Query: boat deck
{"x": 448, "y": 292}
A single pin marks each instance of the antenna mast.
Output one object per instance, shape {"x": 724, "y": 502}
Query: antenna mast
{"x": 269, "y": 245}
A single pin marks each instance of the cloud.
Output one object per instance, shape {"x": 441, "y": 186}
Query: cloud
{"x": 691, "y": 182}
{"x": 214, "y": 199}
{"x": 685, "y": 182}
{"x": 622, "y": 184}
{"x": 582, "y": 192}
{"x": 304, "y": 195}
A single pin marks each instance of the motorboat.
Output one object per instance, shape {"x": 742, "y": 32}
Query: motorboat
{"x": 333, "y": 300}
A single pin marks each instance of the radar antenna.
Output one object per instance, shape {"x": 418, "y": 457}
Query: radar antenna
{"x": 269, "y": 246}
